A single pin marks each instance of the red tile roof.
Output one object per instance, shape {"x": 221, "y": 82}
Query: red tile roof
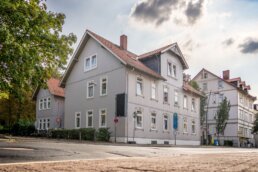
{"x": 125, "y": 56}
{"x": 53, "y": 87}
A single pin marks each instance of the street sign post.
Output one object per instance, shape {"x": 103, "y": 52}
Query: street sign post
{"x": 115, "y": 121}
{"x": 175, "y": 124}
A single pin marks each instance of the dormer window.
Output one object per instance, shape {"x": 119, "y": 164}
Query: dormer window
{"x": 90, "y": 63}
{"x": 172, "y": 70}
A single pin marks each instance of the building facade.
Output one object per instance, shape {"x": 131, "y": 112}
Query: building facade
{"x": 241, "y": 116}
{"x": 49, "y": 106}
{"x": 105, "y": 81}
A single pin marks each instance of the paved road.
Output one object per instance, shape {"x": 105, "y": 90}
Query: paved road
{"x": 34, "y": 149}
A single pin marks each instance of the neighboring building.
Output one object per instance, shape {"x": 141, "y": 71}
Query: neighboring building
{"x": 105, "y": 81}
{"x": 241, "y": 115}
{"x": 49, "y": 106}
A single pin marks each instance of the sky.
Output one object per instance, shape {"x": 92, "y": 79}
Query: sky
{"x": 213, "y": 34}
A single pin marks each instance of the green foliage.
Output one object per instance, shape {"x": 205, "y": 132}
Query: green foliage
{"x": 32, "y": 45}
{"x": 1, "y": 127}
{"x": 23, "y": 128}
{"x": 103, "y": 134}
{"x": 86, "y": 134}
{"x": 222, "y": 116}
{"x": 194, "y": 84}
{"x": 228, "y": 143}
{"x": 255, "y": 128}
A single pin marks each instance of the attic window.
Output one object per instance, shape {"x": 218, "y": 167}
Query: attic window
{"x": 90, "y": 63}
{"x": 205, "y": 75}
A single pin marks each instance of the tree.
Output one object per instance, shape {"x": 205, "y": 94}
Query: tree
{"x": 222, "y": 116}
{"x": 255, "y": 128}
{"x": 32, "y": 46}
{"x": 194, "y": 84}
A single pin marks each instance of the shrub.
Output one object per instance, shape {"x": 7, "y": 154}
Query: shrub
{"x": 87, "y": 134}
{"x": 103, "y": 134}
{"x": 23, "y": 128}
{"x": 228, "y": 143}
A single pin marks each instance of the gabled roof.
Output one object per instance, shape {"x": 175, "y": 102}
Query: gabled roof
{"x": 226, "y": 81}
{"x": 172, "y": 47}
{"x": 190, "y": 89}
{"x": 126, "y": 57}
{"x": 53, "y": 87}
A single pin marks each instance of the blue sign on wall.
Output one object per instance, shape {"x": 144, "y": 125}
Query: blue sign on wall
{"x": 175, "y": 121}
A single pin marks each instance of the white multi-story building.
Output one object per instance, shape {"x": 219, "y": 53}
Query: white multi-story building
{"x": 241, "y": 115}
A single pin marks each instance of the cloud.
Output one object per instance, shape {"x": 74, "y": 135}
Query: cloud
{"x": 249, "y": 46}
{"x": 228, "y": 41}
{"x": 194, "y": 11}
{"x": 157, "y": 11}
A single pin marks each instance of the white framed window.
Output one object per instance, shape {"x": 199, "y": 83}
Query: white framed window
{"x": 185, "y": 102}
{"x": 77, "y": 119}
{"x": 221, "y": 96}
{"x": 48, "y": 123}
{"x": 90, "y": 63}
{"x": 44, "y": 124}
{"x": 139, "y": 119}
{"x": 40, "y": 124}
{"x": 185, "y": 125}
{"x": 205, "y": 86}
{"x": 153, "y": 121}
{"x": 89, "y": 117}
{"x": 45, "y": 103}
{"x": 153, "y": 90}
{"x": 139, "y": 87}
{"x": 165, "y": 94}
{"x": 90, "y": 89}
{"x": 205, "y": 75}
{"x": 41, "y": 104}
{"x": 193, "y": 107}
{"x": 220, "y": 84}
{"x": 176, "y": 98}
{"x": 214, "y": 99}
{"x": 48, "y": 102}
{"x": 193, "y": 127}
{"x": 103, "y": 117}
{"x": 172, "y": 70}
{"x": 169, "y": 69}
{"x": 103, "y": 86}
{"x": 165, "y": 122}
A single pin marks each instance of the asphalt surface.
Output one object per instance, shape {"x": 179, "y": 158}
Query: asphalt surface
{"x": 36, "y": 149}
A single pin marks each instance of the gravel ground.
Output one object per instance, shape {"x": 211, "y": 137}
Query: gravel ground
{"x": 195, "y": 162}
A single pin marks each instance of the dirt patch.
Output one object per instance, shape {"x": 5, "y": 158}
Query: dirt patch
{"x": 207, "y": 162}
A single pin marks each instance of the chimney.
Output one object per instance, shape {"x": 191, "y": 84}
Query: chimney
{"x": 123, "y": 42}
{"x": 226, "y": 74}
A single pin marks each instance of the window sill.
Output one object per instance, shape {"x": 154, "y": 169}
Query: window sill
{"x": 173, "y": 77}
{"x": 89, "y": 97}
{"x": 166, "y": 131}
{"x": 137, "y": 95}
{"x": 166, "y": 103}
{"x": 153, "y": 99}
{"x": 176, "y": 105}
{"x": 103, "y": 126}
{"x": 104, "y": 95}
{"x": 139, "y": 128}
{"x": 185, "y": 133}
{"x": 92, "y": 68}
{"x": 154, "y": 130}
{"x": 185, "y": 108}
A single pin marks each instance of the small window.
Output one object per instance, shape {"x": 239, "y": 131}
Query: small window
{"x": 204, "y": 86}
{"x": 48, "y": 102}
{"x": 139, "y": 87}
{"x": 214, "y": 99}
{"x": 103, "y": 118}
{"x": 103, "y": 86}
{"x": 153, "y": 90}
{"x": 89, "y": 118}
{"x": 165, "y": 123}
{"x": 139, "y": 119}
{"x": 41, "y": 104}
{"x": 174, "y": 71}
{"x": 221, "y": 96}
{"x": 45, "y": 103}
{"x": 44, "y": 124}
{"x": 77, "y": 120}
{"x": 165, "y": 94}
{"x": 205, "y": 75}
{"x": 176, "y": 98}
{"x": 90, "y": 63}
{"x": 185, "y": 125}
{"x": 220, "y": 84}
{"x": 40, "y": 124}
{"x": 185, "y": 102}
{"x": 193, "y": 127}
{"x": 90, "y": 90}
{"x": 153, "y": 121}
{"x": 169, "y": 69}
{"x": 193, "y": 104}
{"x": 48, "y": 123}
